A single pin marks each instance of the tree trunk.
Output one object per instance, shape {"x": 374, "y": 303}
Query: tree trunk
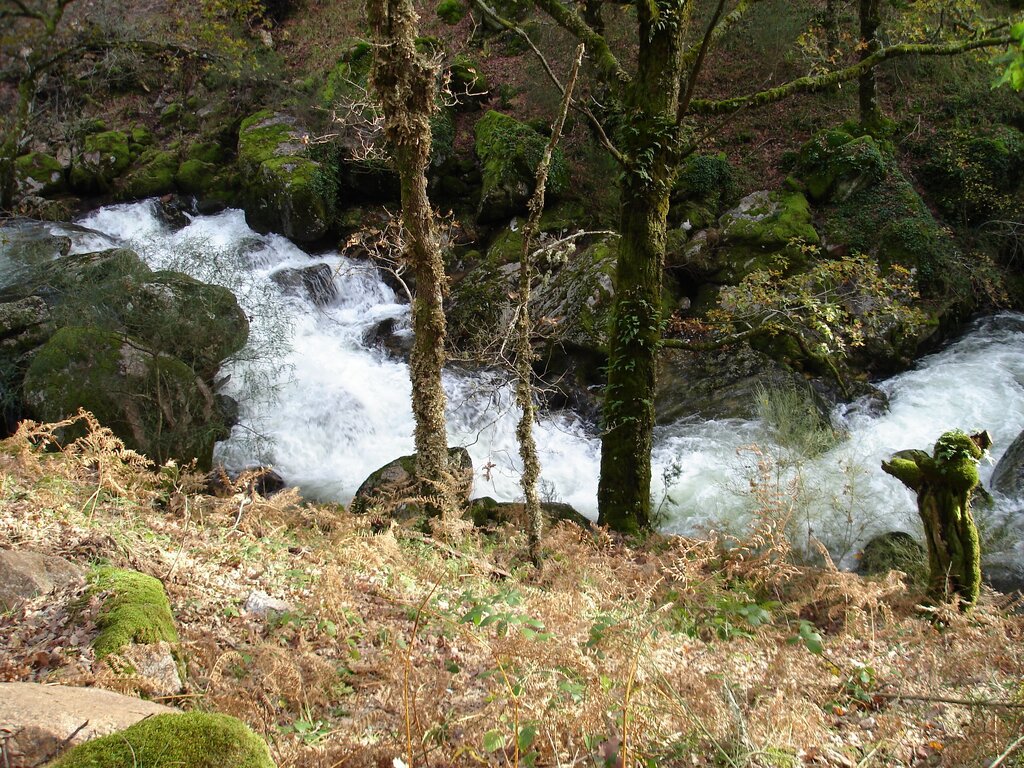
{"x": 867, "y": 91}
{"x": 624, "y": 490}
{"x": 650, "y": 139}
{"x": 406, "y": 85}
{"x": 944, "y": 483}
{"x": 13, "y": 139}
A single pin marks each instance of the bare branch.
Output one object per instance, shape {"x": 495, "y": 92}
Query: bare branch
{"x": 600, "y": 53}
{"x": 606, "y": 142}
{"x": 698, "y": 64}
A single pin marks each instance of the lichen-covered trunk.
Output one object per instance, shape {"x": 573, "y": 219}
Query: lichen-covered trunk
{"x": 406, "y": 86}
{"x": 12, "y": 141}
{"x": 624, "y": 490}
{"x": 954, "y": 554}
{"x": 867, "y": 91}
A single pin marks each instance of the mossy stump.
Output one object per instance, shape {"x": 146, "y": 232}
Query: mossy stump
{"x": 192, "y": 739}
{"x": 944, "y": 483}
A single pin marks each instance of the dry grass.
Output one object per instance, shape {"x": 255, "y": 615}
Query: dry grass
{"x": 674, "y": 651}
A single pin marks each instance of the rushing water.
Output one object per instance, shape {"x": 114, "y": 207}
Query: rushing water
{"x": 327, "y": 409}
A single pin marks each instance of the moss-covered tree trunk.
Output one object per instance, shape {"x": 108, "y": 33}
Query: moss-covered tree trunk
{"x": 944, "y": 483}
{"x": 867, "y": 90}
{"x": 650, "y": 144}
{"x": 12, "y": 141}
{"x": 406, "y": 85}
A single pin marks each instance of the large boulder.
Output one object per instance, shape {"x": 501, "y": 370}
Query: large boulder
{"x": 24, "y": 575}
{"x": 152, "y": 174}
{"x": 834, "y": 165}
{"x": 509, "y": 152}
{"x": 1008, "y": 475}
{"x": 721, "y": 384}
{"x": 103, "y": 158}
{"x": 898, "y": 551}
{"x": 285, "y": 190}
{"x": 154, "y": 402}
{"x": 393, "y": 489}
{"x": 192, "y": 739}
{"x": 39, "y": 721}
{"x": 178, "y": 315}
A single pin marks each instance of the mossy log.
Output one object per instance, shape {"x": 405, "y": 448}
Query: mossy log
{"x": 944, "y": 483}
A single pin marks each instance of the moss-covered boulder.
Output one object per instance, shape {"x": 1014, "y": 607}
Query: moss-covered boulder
{"x": 135, "y": 610}
{"x": 467, "y": 80}
{"x": 764, "y": 231}
{"x": 451, "y": 12}
{"x": 285, "y": 190}
{"x": 38, "y": 173}
{"x": 704, "y": 187}
{"x": 392, "y": 489}
{"x": 152, "y": 175}
{"x": 895, "y": 551}
{"x": 486, "y": 512}
{"x": 889, "y": 220}
{"x": 509, "y": 152}
{"x": 154, "y": 402}
{"x": 178, "y": 315}
{"x": 186, "y": 740}
{"x": 975, "y": 176}
{"x": 834, "y": 165}
{"x": 103, "y": 158}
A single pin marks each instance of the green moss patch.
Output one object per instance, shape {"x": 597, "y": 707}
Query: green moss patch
{"x": 509, "y": 153}
{"x": 187, "y": 740}
{"x": 135, "y": 610}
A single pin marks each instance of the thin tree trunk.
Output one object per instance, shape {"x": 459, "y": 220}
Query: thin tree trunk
{"x": 406, "y": 85}
{"x": 867, "y": 90}
{"x": 524, "y": 328}
{"x": 13, "y": 139}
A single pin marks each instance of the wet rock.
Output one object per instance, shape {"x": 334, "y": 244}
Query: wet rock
{"x": 1008, "y": 476}
{"x": 43, "y": 720}
{"x": 386, "y": 335}
{"x": 174, "y": 211}
{"x": 486, "y": 512}
{"x": 316, "y": 282}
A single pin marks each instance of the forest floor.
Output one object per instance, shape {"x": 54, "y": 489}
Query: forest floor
{"x": 402, "y": 648}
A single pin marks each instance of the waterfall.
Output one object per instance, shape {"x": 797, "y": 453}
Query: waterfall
{"x": 326, "y": 408}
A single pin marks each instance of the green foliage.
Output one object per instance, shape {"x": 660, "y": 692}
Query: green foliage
{"x": 451, "y": 11}
{"x": 135, "y": 610}
{"x": 498, "y": 611}
{"x": 1012, "y": 61}
{"x": 193, "y": 739}
{"x": 831, "y": 308}
{"x": 810, "y": 637}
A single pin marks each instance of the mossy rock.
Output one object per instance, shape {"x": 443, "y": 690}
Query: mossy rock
{"x": 135, "y": 610}
{"x": 468, "y": 82}
{"x": 349, "y": 79}
{"x": 84, "y": 282}
{"x": 38, "y": 173}
{"x": 486, "y": 512}
{"x": 834, "y": 165}
{"x": 285, "y": 191}
{"x": 509, "y": 152}
{"x": 103, "y": 158}
{"x": 175, "y": 314}
{"x": 895, "y": 551}
{"x": 195, "y": 176}
{"x": 890, "y": 221}
{"x": 388, "y": 490}
{"x": 25, "y": 247}
{"x": 769, "y": 221}
{"x": 974, "y": 177}
{"x": 705, "y": 185}
{"x": 154, "y": 403}
{"x": 152, "y": 175}
{"x": 186, "y": 740}
{"x": 451, "y": 12}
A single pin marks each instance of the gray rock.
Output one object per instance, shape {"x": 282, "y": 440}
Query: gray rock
{"x": 153, "y": 664}
{"x": 38, "y": 722}
{"x": 24, "y": 575}
{"x": 316, "y": 282}
{"x": 389, "y": 489}
{"x": 1008, "y": 476}
{"x": 261, "y": 604}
